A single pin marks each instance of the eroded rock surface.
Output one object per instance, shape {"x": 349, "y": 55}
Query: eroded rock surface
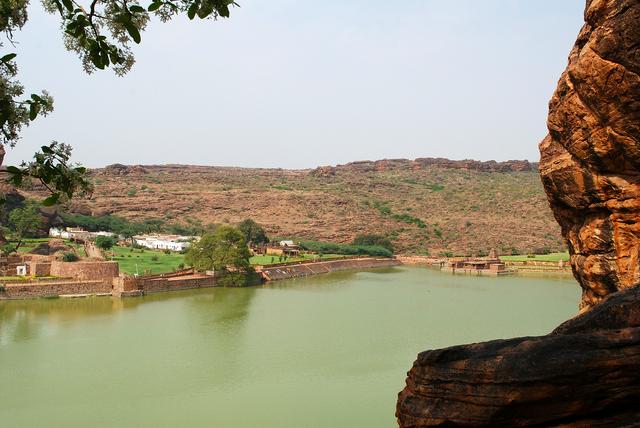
{"x": 590, "y": 163}
{"x": 587, "y": 372}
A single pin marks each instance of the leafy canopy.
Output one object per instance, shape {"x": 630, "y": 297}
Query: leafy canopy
{"x": 253, "y": 232}
{"x": 105, "y": 242}
{"x": 377, "y": 240}
{"x": 26, "y": 221}
{"x": 224, "y": 250}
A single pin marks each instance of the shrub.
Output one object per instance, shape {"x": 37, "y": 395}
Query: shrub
{"x": 154, "y": 258}
{"x": 181, "y": 266}
{"x": 166, "y": 251}
{"x": 105, "y": 242}
{"x": 369, "y": 240}
{"x": 69, "y": 257}
{"x": 346, "y": 249}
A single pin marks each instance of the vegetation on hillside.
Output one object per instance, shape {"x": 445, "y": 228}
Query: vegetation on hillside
{"x": 433, "y": 210}
{"x": 346, "y": 249}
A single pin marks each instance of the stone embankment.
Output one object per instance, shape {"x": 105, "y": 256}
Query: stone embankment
{"x": 271, "y": 273}
{"x": 126, "y": 286}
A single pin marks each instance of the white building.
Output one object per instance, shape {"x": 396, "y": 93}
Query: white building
{"x": 76, "y": 232}
{"x": 164, "y": 242}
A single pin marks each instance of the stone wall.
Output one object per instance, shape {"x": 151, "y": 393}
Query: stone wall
{"x": 89, "y": 271}
{"x": 169, "y": 284}
{"x": 36, "y": 289}
{"x": 130, "y": 286}
{"x": 39, "y": 268}
{"x": 305, "y": 269}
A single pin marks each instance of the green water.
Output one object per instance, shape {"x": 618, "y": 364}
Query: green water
{"x": 327, "y": 351}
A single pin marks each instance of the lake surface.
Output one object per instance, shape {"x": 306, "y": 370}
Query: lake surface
{"x": 326, "y": 351}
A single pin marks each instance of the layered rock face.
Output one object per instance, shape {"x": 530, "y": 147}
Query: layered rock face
{"x": 587, "y": 372}
{"x": 590, "y": 163}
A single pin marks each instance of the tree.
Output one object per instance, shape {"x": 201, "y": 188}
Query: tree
{"x": 253, "y": 232}
{"x": 221, "y": 250}
{"x": 100, "y": 32}
{"x": 26, "y": 222}
{"x": 369, "y": 240}
{"x": 105, "y": 242}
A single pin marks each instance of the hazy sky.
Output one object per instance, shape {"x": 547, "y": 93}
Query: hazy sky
{"x": 298, "y": 84}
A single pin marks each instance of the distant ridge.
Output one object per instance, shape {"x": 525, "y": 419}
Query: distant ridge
{"x": 363, "y": 165}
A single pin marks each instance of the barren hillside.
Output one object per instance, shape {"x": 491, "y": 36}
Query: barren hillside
{"x": 424, "y": 205}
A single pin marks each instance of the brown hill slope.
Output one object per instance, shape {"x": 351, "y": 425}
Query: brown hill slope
{"x": 425, "y": 205}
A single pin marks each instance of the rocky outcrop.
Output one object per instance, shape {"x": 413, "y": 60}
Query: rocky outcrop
{"x": 423, "y": 163}
{"x": 587, "y": 372}
{"x": 590, "y": 163}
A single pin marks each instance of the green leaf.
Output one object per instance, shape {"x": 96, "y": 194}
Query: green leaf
{"x": 46, "y": 149}
{"x": 51, "y": 200}
{"x": 136, "y": 9}
{"x": 133, "y": 31}
{"x": 205, "y": 10}
{"x": 67, "y": 4}
{"x": 33, "y": 110}
{"x": 8, "y": 57}
{"x": 154, "y": 6}
{"x": 14, "y": 170}
{"x": 37, "y": 98}
{"x": 191, "y": 12}
{"x": 223, "y": 11}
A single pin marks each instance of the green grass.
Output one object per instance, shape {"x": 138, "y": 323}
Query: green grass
{"x": 552, "y": 257}
{"x": 266, "y": 259}
{"x": 140, "y": 260}
{"x": 31, "y": 244}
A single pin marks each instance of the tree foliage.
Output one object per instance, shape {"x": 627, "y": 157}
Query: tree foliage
{"x": 105, "y": 242}
{"x": 253, "y": 232}
{"x": 378, "y": 240}
{"x": 346, "y": 249}
{"x": 223, "y": 250}
{"x": 26, "y": 222}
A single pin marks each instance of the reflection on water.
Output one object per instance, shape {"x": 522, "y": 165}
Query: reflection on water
{"x": 330, "y": 350}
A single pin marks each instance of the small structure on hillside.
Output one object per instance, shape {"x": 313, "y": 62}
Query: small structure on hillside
{"x": 76, "y": 233}
{"x": 283, "y": 248}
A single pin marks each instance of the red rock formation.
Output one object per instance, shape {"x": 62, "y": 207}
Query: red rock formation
{"x": 590, "y": 163}
{"x": 587, "y": 372}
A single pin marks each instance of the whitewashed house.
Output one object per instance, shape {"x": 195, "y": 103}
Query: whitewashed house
{"x": 164, "y": 242}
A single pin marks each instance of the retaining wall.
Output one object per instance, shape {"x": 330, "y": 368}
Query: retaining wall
{"x": 89, "y": 271}
{"x": 35, "y": 289}
{"x": 130, "y": 286}
{"x": 272, "y": 273}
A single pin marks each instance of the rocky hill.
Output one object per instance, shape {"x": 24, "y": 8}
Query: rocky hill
{"x": 423, "y": 205}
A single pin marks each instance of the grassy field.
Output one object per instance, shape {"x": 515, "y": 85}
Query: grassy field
{"x": 141, "y": 261}
{"x": 551, "y": 257}
{"x": 31, "y": 244}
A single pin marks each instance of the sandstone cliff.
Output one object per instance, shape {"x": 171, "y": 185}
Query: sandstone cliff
{"x": 590, "y": 162}
{"x": 587, "y": 372}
